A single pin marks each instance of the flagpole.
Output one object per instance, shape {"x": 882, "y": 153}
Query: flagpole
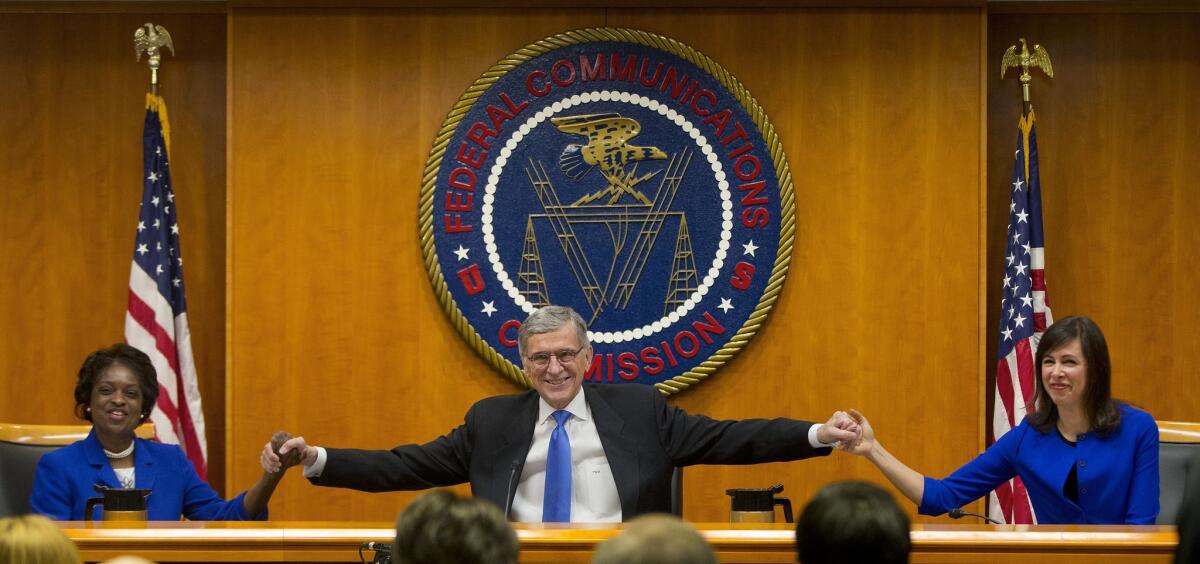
{"x": 148, "y": 39}
{"x": 1025, "y": 307}
{"x": 156, "y": 320}
{"x": 1038, "y": 59}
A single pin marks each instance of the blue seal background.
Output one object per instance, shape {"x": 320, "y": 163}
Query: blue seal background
{"x": 698, "y": 198}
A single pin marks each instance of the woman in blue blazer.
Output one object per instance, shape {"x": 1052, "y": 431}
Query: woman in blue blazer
{"x": 1083, "y": 456}
{"x": 116, "y": 390}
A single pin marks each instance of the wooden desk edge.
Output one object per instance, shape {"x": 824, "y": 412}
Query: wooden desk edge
{"x": 330, "y": 541}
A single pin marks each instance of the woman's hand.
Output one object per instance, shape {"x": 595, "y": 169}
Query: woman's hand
{"x": 865, "y": 444}
{"x": 274, "y": 462}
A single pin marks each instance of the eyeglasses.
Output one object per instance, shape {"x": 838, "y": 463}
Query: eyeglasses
{"x": 542, "y": 359}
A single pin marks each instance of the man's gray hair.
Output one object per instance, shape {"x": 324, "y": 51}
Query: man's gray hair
{"x": 549, "y": 319}
{"x": 656, "y": 539}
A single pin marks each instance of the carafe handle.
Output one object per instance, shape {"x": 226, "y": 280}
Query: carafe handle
{"x": 90, "y": 508}
{"x": 787, "y": 508}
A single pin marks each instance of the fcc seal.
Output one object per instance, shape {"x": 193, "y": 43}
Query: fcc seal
{"x": 621, "y": 173}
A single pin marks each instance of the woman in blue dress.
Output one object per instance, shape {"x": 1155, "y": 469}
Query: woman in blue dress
{"x": 1083, "y": 457}
{"x": 116, "y": 390}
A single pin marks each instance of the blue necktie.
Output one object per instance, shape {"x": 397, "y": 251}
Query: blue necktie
{"x": 556, "y": 505}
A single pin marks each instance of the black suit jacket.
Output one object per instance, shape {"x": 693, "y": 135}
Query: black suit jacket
{"x": 643, "y": 437}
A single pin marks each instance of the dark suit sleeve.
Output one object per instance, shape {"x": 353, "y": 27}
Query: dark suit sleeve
{"x": 696, "y": 439}
{"x": 442, "y": 462}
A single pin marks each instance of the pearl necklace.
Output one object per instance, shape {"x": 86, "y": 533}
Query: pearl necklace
{"x": 119, "y": 455}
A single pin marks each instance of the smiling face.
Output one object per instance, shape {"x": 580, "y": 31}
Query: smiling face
{"x": 116, "y": 402}
{"x": 1065, "y": 375}
{"x": 556, "y": 382}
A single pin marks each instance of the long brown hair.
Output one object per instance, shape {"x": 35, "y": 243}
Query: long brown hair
{"x": 1103, "y": 415}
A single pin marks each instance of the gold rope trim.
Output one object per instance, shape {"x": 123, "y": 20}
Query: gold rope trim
{"x": 787, "y": 203}
{"x": 158, "y": 105}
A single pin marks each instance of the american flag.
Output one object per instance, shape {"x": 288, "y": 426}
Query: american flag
{"x": 1024, "y": 316}
{"x": 156, "y": 320}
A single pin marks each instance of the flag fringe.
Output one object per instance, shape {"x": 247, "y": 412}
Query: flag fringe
{"x": 1025, "y": 125}
{"x": 158, "y": 105}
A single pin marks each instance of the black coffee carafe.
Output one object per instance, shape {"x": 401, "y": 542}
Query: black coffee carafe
{"x": 757, "y": 505}
{"x": 120, "y": 504}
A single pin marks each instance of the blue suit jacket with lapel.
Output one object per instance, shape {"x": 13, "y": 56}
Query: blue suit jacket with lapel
{"x": 643, "y": 437}
{"x": 64, "y": 479}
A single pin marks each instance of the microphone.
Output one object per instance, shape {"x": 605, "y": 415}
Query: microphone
{"x": 508, "y": 495}
{"x": 957, "y": 513}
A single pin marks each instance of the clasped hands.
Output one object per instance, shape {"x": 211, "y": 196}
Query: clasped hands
{"x": 849, "y": 432}
{"x": 284, "y": 451}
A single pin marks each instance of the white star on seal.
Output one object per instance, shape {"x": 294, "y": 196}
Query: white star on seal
{"x": 749, "y": 248}
{"x": 461, "y": 252}
{"x": 725, "y": 306}
{"x": 489, "y": 308}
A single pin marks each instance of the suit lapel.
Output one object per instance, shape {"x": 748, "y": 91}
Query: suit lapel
{"x": 514, "y": 446}
{"x": 619, "y": 450}
{"x": 143, "y": 465}
{"x": 94, "y": 453}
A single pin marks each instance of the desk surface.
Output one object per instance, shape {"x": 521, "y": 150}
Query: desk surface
{"x": 339, "y": 542}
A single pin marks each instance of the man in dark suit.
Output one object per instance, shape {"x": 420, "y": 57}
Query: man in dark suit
{"x": 565, "y": 451}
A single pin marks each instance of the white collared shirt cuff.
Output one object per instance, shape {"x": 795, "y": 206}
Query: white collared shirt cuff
{"x": 317, "y": 467}
{"x": 812, "y": 440}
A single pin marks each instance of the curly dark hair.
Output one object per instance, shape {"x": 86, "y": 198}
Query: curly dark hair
{"x": 99, "y": 361}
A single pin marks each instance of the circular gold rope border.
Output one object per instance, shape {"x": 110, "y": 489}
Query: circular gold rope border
{"x": 787, "y": 199}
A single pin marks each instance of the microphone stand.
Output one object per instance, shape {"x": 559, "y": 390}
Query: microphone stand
{"x": 957, "y": 513}
{"x": 508, "y": 494}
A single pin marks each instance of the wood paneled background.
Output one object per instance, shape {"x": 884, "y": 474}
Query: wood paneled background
{"x": 72, "y": 103}
{"x": 309, "y": 299}
{"x": 1117, "y": 128}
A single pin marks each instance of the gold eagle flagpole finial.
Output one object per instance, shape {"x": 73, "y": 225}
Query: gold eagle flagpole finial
{"x": 149, "y": 38}
{"x": 1038, "y": 59}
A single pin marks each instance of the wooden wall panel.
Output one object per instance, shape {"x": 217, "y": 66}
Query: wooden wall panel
{"x": 1117, "y": 131}
{"x": 334, "y": 330}
{"x": 880, "y": 310}
{"x": 71, "y": 110}
{"x": 334, "y": 333}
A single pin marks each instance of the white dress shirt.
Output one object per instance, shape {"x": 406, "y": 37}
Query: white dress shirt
{"x": 594, "y": 496}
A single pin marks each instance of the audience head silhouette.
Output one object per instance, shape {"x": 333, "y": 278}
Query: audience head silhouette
{"x": 656, "y": 539}
{"x": 442, "y": 528}
{"x": 852, "y": 522}
{"x": 33, "y": 539}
